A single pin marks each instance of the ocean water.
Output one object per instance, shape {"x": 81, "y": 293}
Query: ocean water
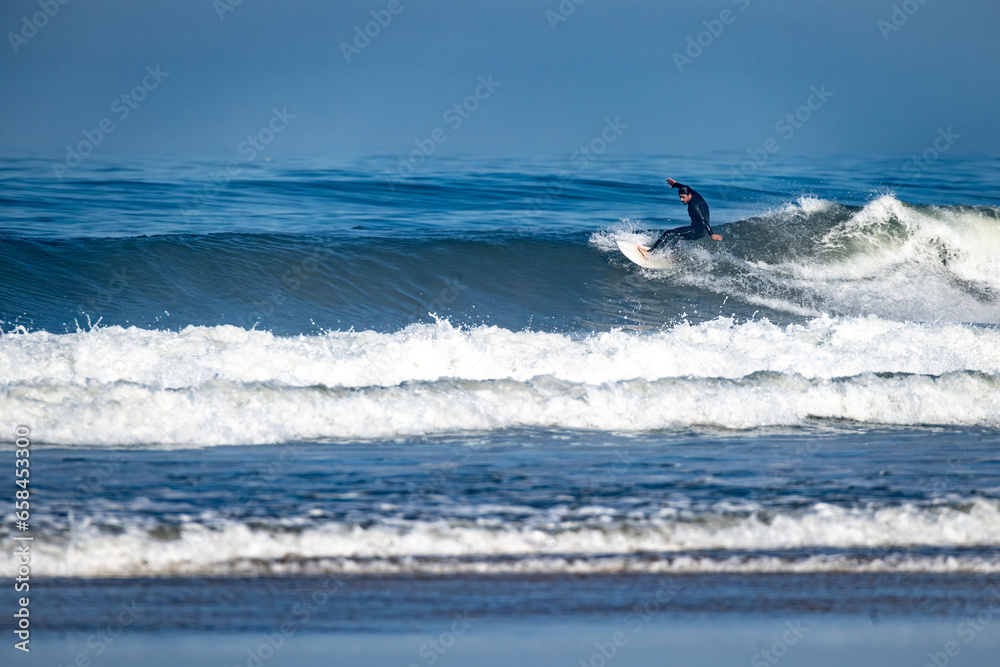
{"x": 418, "y": 396}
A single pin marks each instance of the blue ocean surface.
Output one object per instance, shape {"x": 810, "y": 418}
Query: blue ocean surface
{"x": 320, "y": 371}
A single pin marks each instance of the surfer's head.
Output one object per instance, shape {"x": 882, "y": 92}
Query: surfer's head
{"x": 685, "y": 193}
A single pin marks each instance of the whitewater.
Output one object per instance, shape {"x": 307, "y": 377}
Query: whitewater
{"x": 223, "y": 385}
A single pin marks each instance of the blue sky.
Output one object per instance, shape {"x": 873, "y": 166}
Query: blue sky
{"x": 847, "y": 77}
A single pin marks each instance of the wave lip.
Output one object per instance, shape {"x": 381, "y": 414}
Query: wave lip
{"x": 902, "y": 261}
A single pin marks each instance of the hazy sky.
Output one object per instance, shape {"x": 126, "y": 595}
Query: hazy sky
{"x": 859, "y": 77}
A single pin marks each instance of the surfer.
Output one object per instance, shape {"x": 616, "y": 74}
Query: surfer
{"x": 697, "y": 209}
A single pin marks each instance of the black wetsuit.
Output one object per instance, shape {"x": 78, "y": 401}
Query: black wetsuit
{"x": 698, "y": 210}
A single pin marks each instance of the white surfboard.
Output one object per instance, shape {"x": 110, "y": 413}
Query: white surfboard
{"x": 631, "y": 250}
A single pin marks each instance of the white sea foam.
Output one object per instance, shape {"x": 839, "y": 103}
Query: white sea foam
{"x": 224, "y": 385}
{"x": 809, "y": 206}
{"x": 902, "y": 261}
{"x": 863, "y": 539}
